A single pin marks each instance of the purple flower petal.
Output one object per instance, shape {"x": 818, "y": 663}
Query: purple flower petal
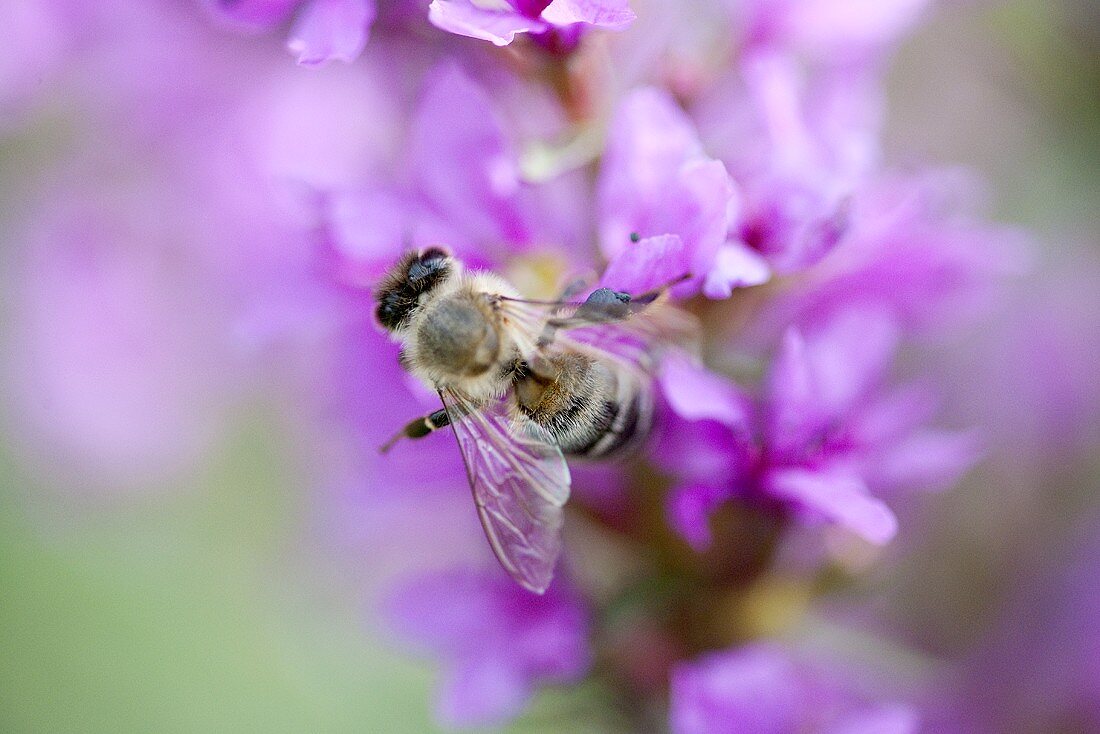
{"x": 323, "y": 132}
{"x": 647, "y": 264}
{"x": 697, "y": 394}
{"x": 656, "y": 180}
{"x": 735, "y": 266}
{"x": 253, "y": 14}
{"x": 910, "y": 252}
{"x": 816, "y": 382}
{"x": 700, "y": 206}
{"x": 765, "y": 689}
{"x": 850, "y": 356}
{"x": 368, "y": 228}
{"x": 650, "y": 140}
{"x": 843, "y": 499}
{"x": 755, "y": 689}
{"x": 689, "y": 509}
{"x": 927, "y": 459}
{"x": 331, "y": 29}
{"x": 456, "y": 628}
{"x": 793, "y": 412}
{"x": 497, "y": 640}
{"x": 610, "y": 14}
{"x": 530, "y": 8}
{"x": 798, "y": 149}
{"x": 464, "y": 165}
{"x": 891, "y": 418}
{"x": 891, "y": 719}
{"x": 848, "y": 26}
{"x": 702, "y": 451}
{"x": 498, "y": 25}
{"x": 482, "y": 692}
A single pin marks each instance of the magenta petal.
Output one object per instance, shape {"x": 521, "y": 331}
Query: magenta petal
{"x": 698, "y": 394}
{"x": 840, "y": 498}
{"x": 482, "y": 692}
{"x": 702, "y": 451}
{"x": 453, "y": 629}
{"x": 252, "y": 14}
{"x": 791, "y": 393}
{"x": 774, "y": 84}
{"x": 889, "y": 719}
{"x": 610, "y": 14}
{"x": 735, "y": 266}
{"x": 699, "y": 208}
{"x": 890, "y": 418}
{"x": 645, "y": 265}
{"x": 928, "y": 459}
{"x": 650, "y": 139}
{"x": 848, "y": 26}
{"x": 368, "y": 229}
{"x": 464, "y": 164}
{"x": 497, "y": 640}
{"x": 331, "y": 29}
{"x": 764, "y": 688}
{"x": 750, "y": 689}
{"x": 689, "y": 509}
{"x": 465, "y": 18}
{"x": 850, "y": 356}
{"x": 656, "y": 180}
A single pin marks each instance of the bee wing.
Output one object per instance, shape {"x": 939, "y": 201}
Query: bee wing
{"x": 520, "y": 482}
{"x": 634, "y": 334}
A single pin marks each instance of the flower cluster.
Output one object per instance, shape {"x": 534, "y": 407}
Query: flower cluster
{"x": 225, "y": 214}
{"x": 763, "y": 688}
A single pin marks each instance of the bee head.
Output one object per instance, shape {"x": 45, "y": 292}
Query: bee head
{"x": 413, "y": 276}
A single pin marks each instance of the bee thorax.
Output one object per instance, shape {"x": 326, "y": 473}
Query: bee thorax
{"x": 456, "y": 338}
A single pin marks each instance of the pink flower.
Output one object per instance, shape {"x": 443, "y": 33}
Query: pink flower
{"x": 498, "y": 21}
{"x": 766, "y": 689}
{"x": 323, "y": 30}
{"x": 834, "y": 31}
{"x": 821, "y": 437}
{"x": 656, "y": 181}
{"x": 499, "y": 641}
{"x": 463, "y": 187}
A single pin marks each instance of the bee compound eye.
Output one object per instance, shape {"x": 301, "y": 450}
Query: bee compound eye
{"x": 433, "y": 253}
{"x": 390, "y": 312}
{"x": 428, "y": 269}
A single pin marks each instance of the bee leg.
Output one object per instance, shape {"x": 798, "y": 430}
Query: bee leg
{"x": 419, "y": 428}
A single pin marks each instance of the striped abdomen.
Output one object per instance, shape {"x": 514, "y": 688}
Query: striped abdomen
{"x": 588, "y": 408}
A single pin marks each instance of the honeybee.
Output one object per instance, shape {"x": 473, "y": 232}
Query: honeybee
{"x": 524, "y": 383}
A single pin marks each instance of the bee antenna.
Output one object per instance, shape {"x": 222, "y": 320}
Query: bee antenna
{"x": 385, "y": 448}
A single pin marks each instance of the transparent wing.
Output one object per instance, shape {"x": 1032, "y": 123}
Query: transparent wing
{"x": 520, "y": 482}
{"x": 634, "y": 334}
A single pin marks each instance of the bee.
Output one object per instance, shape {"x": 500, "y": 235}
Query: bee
{"x": 524, "y": 383}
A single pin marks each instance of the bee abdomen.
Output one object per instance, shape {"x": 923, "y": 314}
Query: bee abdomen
{"x": 588, "y": 412}
{"x": 627, "y": 424}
